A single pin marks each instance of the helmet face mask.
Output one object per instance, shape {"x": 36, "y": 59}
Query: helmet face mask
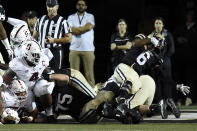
{"x": 18, "y": 89}
{"x": 31, "y": 52}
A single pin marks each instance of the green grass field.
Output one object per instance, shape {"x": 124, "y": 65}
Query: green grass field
{"x": 106, "y": 126}
{"x": 101, "y": 127}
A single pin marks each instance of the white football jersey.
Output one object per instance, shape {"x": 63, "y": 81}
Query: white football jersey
{"x": 11, "y": 101}
{"x": 28, "y": 74}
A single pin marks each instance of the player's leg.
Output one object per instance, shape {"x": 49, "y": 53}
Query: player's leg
{"x": 78, "y": 80}
{"x": 130, "y": 84}
{"x": 145, "y": 95}
{"x": 124, "y": 73}
{"x": 43, "y": 89}
{"x": 101, "y": 97}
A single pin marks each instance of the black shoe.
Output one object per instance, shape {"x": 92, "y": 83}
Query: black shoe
{"x": 173, "y": 108}
{"x": 163, "y": 109}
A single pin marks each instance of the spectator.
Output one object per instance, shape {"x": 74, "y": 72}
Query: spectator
{"x": 163, "y": 76}
{"x": 120, "y": 43}
{"x": 32, "y": 17}
{"x": 82, "y": 45}
{"x": 52, "y": 31}
{"x": 185, "y": 37}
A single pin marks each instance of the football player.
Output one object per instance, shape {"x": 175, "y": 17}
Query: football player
{"x": 71, "y": 93}
{"x": 14, "y": 98}
{"x": 29, "y": 68}
{"x": 20, "y": 33}
{"x": 126, "y": 78}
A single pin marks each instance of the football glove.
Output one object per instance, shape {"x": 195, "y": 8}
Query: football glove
{"x": 2, "y": 14}
{"x": 182, "y": 88}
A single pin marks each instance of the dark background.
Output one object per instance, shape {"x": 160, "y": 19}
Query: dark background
{"x": 139, "y": 15}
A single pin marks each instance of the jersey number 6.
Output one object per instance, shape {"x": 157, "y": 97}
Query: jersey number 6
{"x": 142, "y": 58}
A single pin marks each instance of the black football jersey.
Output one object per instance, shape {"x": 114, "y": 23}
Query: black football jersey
{"x": 69, "y": 101}
{"x": 141, "y": 59}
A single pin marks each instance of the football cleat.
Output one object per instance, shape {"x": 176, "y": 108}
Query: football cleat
{"x": 163, "y": 109}
{"x": 173, "y": 108}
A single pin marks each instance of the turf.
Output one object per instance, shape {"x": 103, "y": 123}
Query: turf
{"x": 100, "y": 127}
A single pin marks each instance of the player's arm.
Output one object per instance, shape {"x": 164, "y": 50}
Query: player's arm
{"x": 59, "y": 77}
{"x": 141, "y": 42}
{"x": 49, "y": 75}
{"x": 3, "y": 34}
{"x": 4, "y": 66}
{"x": 8, "y": 76}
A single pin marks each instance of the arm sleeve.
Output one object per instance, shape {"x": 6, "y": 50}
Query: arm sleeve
{"x": 15, "y": 22}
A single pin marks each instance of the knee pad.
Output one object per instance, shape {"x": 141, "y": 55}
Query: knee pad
{"x": 43, "y": 87}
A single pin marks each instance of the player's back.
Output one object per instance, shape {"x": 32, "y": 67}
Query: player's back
{"x": 69, "y": 100}
{"x": 141, "y": 60}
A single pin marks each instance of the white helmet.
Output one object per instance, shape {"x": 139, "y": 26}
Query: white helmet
{"x": 19, "y": 34}
{"x": 19, "y": 89}
{"x": 11, "y": 115}
{"x": 31, "y": 51}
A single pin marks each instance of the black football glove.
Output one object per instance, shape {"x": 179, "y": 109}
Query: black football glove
{"x": 2, "y": 14}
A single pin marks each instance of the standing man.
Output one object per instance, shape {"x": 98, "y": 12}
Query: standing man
{"x": 82, "y": 47}
{"x": 52, "y": 31}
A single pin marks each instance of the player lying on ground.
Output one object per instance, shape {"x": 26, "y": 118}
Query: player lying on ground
{"x": 71, "y": 93}
{"x": 14, "y": 99}
{"x": 127, "y": 74}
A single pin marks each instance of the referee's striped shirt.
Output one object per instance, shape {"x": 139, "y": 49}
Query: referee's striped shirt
{"x": 55, "y": 28}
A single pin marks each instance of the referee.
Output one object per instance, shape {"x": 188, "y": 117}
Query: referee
{"x": 52, "y": 31}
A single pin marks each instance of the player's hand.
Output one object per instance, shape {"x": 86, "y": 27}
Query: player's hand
{"x": 10, "y": 54}
{"x": 113, "y": 46}
{"x": 184, "y": 89}
{"x": 2, "y": 13}
{"x": 27, "y": 119}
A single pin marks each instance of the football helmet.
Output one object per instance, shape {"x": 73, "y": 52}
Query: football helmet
{"x": 31, "y": 51}
{"x": 19, "y": 34}
{"x": 10, "y": 116}
{"x": 19, "y": 89}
